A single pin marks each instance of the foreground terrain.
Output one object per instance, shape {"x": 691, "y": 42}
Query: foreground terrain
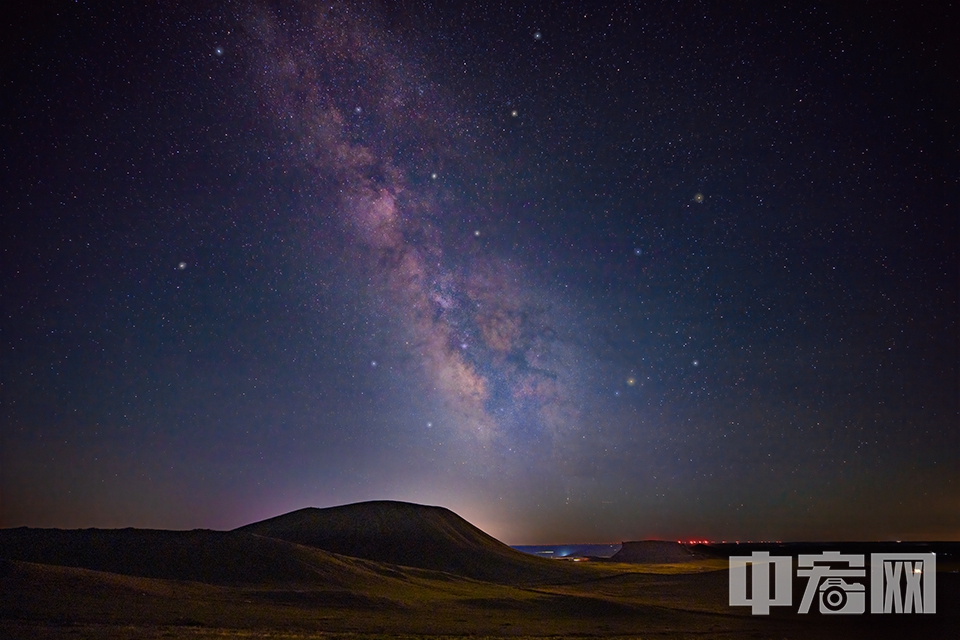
{"x": 398, "y": 570}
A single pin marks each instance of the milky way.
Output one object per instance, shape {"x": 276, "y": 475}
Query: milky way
{"x": 490, "y": 346}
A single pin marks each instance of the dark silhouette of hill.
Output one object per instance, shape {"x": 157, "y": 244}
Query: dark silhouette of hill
{"x": 213, "y": 557}
{"x": 411, "y": 535}
{"x": 655, "y": 552}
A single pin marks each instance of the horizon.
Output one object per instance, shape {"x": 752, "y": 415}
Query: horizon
{"x": 595, "y": 272}
{"x": 516, "y": 545}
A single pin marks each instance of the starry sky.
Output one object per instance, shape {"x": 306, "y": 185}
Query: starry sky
{"x": 580, "y": 272}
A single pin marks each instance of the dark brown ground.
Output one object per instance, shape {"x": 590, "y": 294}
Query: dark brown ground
{"x": 207, "y": 584}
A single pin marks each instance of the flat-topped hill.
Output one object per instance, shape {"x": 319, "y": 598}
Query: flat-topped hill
{"x": 407, "y": 534}
{"x": 655, "y": 552}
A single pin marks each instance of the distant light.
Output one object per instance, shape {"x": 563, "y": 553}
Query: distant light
{"x": 182, "y": 266}
{"x": 218, "y": 51}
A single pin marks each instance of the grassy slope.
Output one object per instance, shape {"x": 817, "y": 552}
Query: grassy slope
{"x": 44, "y": 601}
{"x": 410, "y": 601}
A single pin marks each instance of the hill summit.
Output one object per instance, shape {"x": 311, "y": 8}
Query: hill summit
{"x": 406, "y": 534}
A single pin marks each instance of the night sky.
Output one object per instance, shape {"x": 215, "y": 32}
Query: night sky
{"x": 579, "y": 273}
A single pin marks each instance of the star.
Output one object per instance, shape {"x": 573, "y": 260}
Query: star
{"x": 341, "y": 247}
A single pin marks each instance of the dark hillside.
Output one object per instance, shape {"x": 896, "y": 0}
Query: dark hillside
{"x": 213, "y": 557}
{"x": 411, "y": 535}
